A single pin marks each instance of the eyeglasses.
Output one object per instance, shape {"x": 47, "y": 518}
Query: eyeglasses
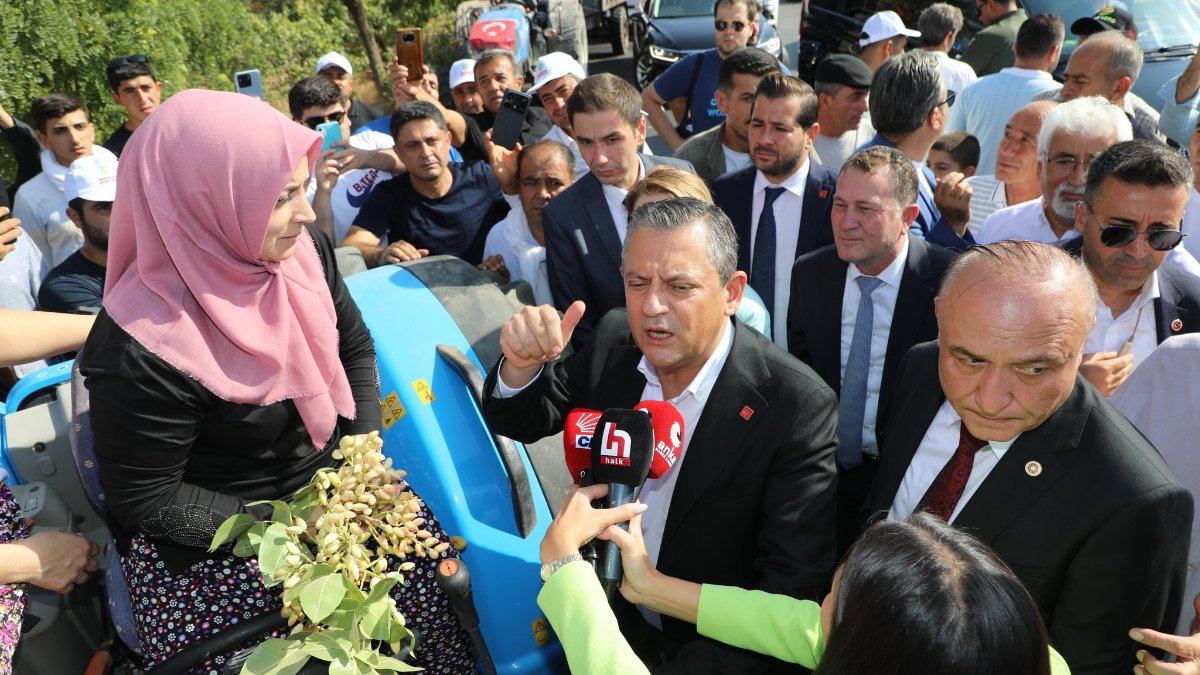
{"x": 1120, "y": 236}
{"x": 1067, "y": 163}
{"x": 313, "y": 121}
{"x": 721, "y": 25}
{"x": 132, "y": 58}
{"x": 949, "y": 101}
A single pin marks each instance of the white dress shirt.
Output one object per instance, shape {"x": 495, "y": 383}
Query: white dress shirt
{"x": 734, "y": 160}
{"x": 936, "y": 448}
{"x": 884, "y": 301}
{"x": 987, "y": 197}
{"x": 1025, "y": 221}
{"x": 1111, "y": 333}
{"x": 787, "y": 207}
{"x": 615, "y": 197}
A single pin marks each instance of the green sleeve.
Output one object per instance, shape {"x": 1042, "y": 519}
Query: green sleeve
{"x": 982, "y": 51}
{"x": 776, "y": 625}
{"x": 1058, "y": 665}
{"x": 575, "y": 604}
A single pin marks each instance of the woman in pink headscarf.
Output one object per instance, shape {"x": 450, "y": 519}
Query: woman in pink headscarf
{"x": 228, "y": 361}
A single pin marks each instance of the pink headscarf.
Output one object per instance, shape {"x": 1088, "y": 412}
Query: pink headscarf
{"x": 196, "y": 186}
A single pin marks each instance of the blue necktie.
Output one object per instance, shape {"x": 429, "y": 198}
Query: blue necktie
{"x": 762, "y": 263}
{"x": 853, "y": 400}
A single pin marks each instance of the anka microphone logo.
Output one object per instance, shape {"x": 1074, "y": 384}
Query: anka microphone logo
{"x": 614, "y": 446}
{"x": 585, "y": 428}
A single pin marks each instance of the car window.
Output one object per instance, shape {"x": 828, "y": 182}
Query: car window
{"x": 669, "y": 9}
{"x": 1160, "y": 23}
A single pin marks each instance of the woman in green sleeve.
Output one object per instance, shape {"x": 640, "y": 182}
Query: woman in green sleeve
{"x": 911, "y": 596}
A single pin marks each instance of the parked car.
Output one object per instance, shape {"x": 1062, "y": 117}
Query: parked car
{"x": 671, "y": 29}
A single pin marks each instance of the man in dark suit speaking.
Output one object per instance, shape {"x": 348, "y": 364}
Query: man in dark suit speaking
{"x": 997, "y": 433}
{"x": 585, "y": 225}
{"x": 750, "y": 501}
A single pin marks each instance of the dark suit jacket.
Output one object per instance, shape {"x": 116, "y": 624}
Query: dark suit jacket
{"x": 583, "y": 250}
{"x": 1177, "y": 307}
{"x": 1097, "y": 536}
{"x": 733, "y": 193}
{"x": 815, "y": 314}
{"x": 754, "y": 502}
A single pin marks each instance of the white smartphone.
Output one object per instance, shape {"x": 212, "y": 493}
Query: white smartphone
{"x": 249, "y": 82}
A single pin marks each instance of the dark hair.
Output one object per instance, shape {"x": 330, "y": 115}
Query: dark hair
{"x": 777, "y": 85}
{"x": 751, "y": 7}
{"x": 673, "y": 214}
{"x": 126, "y": 68}
{"x": 904, "y": 176}
{"x": 1038, "y": 36}
{"x": 553, "y": 147}
{"x": 605, "y": 92}
{"x": 76, "y": 205}
{"x": 52, "y": 107}
{"x": 920, "y": 596}
{"x": 317, "y": 90}
{"x": 490, "y": 55}
{"x": 414, "y": 112}
{"x": 1138, "y": 162}
{"x": 904, "y": 91}
{"x": 936, "y": 20}
{"x": 962, "y": 147}
{"x": 745, "y": 61}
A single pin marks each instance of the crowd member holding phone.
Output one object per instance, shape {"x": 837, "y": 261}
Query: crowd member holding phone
{"x": 495, "y": 75}
{"x": 227, "y": 364}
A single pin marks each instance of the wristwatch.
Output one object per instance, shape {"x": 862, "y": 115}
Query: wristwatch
{"x": 552, "y": 567}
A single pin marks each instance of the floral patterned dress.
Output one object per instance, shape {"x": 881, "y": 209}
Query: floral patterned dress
{"x": 13, "y": 526}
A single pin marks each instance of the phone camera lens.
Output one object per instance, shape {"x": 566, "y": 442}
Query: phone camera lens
{"x": 243, "y": 80}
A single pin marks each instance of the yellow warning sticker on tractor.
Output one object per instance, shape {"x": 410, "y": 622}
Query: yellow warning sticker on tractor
{"x": 424, "y": 391}
{"x": 541, "y": 632}
{"x": 393, "y": 411}
{"x": 390, "y": 401}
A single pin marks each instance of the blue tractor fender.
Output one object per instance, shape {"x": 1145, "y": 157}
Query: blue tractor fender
{"x": 507, "y": 12}
{"x": 21, "y": 391}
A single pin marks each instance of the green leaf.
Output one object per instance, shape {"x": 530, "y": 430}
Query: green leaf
{"x": 380, "y": 590}
{"x": 231, "y": 529}
{"x": 354, "y": 595}
{"x": 271, "y": 553}
{"x": 341, "y": 618}
{"x": 282, "y": 513}
{"x": 376, "y": 621}
{"x": 396, "y": 639}
{"x": 321, "y": 646}
{"x": 342, "y": 664}
{"x": 276, "y": 657}
{"x": 321, "y": 596}
{"x": 312, "y": 572}
{"x": 244, "y": 549}
{"x": 389, "y": 663}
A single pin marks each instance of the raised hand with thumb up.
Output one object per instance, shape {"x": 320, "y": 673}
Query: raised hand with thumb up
{"x": 533, "y": 337}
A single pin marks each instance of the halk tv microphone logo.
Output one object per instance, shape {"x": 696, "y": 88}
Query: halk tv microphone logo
{"x": 585, "y": 428}
{"x": 614, "y": 446}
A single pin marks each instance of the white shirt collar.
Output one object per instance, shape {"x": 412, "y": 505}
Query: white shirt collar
{"x": 613, "y": 189}
{"x": 702, "y": 384}
{"x": 1150, "y": 292}
{"x": 892, "y": 274}
{"x": 793, "y": 183}
{"x": 1027, "y": 72}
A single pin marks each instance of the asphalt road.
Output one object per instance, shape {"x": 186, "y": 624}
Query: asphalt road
{"x": 601, "y": 60}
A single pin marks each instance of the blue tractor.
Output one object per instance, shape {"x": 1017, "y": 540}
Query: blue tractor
{"x": 527, "y": 28}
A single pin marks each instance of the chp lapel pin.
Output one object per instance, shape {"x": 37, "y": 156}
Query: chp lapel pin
{"x": 746, "y": 413}
{"x": 1176, "y": 325}
{"x": 1033, "y": 469}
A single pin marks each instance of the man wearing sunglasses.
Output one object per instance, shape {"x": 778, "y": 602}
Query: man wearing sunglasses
{"x": 695, "y": 79}
{"x": 1130, "y": 220}
{"x": 136, "y": 88}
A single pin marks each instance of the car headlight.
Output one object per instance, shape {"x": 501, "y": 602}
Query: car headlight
{"x": 770, "y": 46}
{"x": 661, "y": 54}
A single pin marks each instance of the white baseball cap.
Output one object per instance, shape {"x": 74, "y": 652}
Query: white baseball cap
{"x": 553, "y": 66}
{"x": 462, "y": 72}
{"x": 93, "y": 178}
{"x": 334, "y": 59}
{"x": 884, "y": 25}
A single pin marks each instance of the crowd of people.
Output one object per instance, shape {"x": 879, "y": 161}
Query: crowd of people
{"x": 913, "y": 315}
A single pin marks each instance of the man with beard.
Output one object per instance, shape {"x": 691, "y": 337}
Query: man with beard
{"x": 726, "y": 147}
{"x": 436, "y": 207}
{"x": 77, "y": 284}
{"x": 1072, "y": 136}
{"x": 780, "y": 206}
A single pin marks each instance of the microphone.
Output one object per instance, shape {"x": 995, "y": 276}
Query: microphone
{"x": 668, "y": 427}
{"x": 621, "y": 454}
{"x": 577, "y": 443}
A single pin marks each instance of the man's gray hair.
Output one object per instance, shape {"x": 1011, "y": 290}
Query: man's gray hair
{"x": 670, "y": 215}
{"x": 1125, "y": 56}
{"x": 1090, "y": 117}
{"x": 936, "y": 20}
{"x": 1031, "y": 262}
{"x": 904, "y": 91}
{"x": 490, "y": 55}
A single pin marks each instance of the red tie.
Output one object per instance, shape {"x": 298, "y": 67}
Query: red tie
{"x": 947, "y": 488}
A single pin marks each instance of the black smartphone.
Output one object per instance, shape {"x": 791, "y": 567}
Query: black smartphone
{"x": 506, "y": 131}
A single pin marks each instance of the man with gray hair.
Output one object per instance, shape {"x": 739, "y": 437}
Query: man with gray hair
{"x": 1107, "y": 65}
{"x": 940, "y": 24}
{"x": 740, "y": 396}
{"x": 999, "y": 435}
{"x": 1130, "y": 218}
{"x": 496, "y": 71}
{"x": 1072, "y": 136}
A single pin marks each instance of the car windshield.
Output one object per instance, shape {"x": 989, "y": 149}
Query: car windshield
{"x": 1160, "y": 23}
{"x": 670, "y": 9}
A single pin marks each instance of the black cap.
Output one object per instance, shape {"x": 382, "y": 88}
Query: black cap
{"x": 845, "y": 69}
{"x": 1108, "y": 18}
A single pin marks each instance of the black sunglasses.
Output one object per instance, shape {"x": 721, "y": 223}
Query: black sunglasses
{"x": 313, "y": 121}
{"x": 1120, "y": 236}
{"x": 132, "y": 58}
{"x": 949, "y": 101}
{"x": 721, "y": 24}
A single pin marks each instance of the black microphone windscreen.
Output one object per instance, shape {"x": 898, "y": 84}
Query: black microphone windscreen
{"x": 622, "y": 447}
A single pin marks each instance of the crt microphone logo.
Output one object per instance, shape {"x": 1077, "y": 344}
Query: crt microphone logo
{"x": 614, "y": 446}
{"x": 585, "y": 428}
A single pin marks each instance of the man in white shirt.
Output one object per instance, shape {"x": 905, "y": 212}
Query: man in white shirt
{"x": 554, "y": 81}
{"x": 984, "y": 108}
{"x": 1072, "y": 136}
{"x": 998, "y": 435}
{"x": 66, "y": 134}
{"x": 940, "y": 24}
{"x": 842, "y": 83}
{"x": 1130, "y": 214}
